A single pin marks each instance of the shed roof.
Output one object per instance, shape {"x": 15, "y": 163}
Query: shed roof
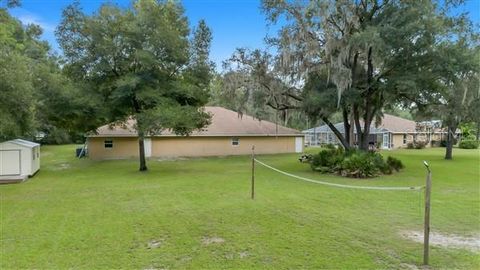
{"x": 23, "y": 143}
{"x": 224, "y": 123}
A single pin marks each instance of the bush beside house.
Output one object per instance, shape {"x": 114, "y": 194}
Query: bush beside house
{"x": 468, "y": 144}
{"x": 416, "y": 145}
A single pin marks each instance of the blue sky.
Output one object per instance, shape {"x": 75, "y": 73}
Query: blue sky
{"x": 235, "y": 23}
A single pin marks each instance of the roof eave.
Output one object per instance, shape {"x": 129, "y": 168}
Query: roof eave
{"x": 209, "y": 135}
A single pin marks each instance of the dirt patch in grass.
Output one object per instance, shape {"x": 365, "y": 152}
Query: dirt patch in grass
{"x": 61, "y": 166}
{"x": 155, "y": 243}
{"x": 243, "y": 254}
{"x": 212, "y": 240}
{"x": 448, "y": 241}
{"x": 407, "y": 266}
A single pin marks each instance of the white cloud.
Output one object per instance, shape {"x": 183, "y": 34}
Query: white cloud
{"x": 27, "y": 17}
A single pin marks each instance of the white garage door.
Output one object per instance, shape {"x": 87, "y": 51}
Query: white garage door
{"x": 10, "y": 162}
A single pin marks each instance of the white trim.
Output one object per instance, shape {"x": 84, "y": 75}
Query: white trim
{"x": 386, "y": 140}
{"x": 105, "y": 142}
{"x": 298, "y": 144}
{"x": 147, "y": 144}
{"x": 235, "y": 139}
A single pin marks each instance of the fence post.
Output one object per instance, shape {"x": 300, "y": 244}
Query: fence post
{"x": 426, "y": 229}
{"x": 253, "y": 172}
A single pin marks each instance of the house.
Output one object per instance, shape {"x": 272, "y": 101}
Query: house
{"x": 228, "y": 134}
{"x": 392, "y": 132}
{"x": 432, "y": 131}
{"x": 19, "y": 159}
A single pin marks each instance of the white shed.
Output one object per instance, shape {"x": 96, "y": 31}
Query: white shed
{"x": 19, "y": 158}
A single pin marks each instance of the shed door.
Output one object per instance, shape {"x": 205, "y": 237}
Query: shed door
{"x": 10, "y": 162}
{"x": 298, "y": 144}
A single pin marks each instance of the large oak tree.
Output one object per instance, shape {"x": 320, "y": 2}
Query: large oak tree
{"x": 143, "y": 61}
{"x": 356, "y": 58}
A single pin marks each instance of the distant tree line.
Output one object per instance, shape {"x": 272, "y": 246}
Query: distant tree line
{"x": 142, "y": 62}
{"x": 333, "y": 61}
{"x": 36, "y": 96}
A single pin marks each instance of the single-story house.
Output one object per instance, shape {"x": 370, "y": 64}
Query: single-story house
{"x": 19, "y": 159}
{"x": 228, "y": 134}
{"x": 392, "y": 132}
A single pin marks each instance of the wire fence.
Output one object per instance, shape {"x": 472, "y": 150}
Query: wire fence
{"x": 339, "y": 185}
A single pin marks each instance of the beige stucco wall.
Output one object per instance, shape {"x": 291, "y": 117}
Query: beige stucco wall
{"x": 191, "y": 146}
{"x": 397, "y": 140}
{"x": 217, "y": 146}
{"x": 420, "y": 137}
{"x": 122, "y": 148}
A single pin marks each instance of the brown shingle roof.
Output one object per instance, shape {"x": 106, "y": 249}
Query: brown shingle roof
{"x": 389, "y": 123}
{"x": 224, "y": 123}
{"x": 397, "y": 124}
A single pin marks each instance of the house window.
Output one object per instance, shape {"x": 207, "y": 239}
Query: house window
{"x": 404, "y": 138}
{"x": 33, "y": 152}
{"x": 235, "y": 141}
{"x": 108, "y": 143}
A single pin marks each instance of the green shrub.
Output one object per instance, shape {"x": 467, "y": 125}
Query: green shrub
{"x": 434, "y": 143}
{"x": 328, "y": 146}
{"x": 394, "y": 163}
{"x": 352, "y": 151}
{"x": 468, "y": 144}
{"x": 416, "y": 145}
{"x": 380, "y": 163}
{"x": 360, "y": 165}
{"x": 327, "y": 159}
{"x": 353, "y": 163}
{"x": 443, "y": 143}
{"x": 420, "y": 145}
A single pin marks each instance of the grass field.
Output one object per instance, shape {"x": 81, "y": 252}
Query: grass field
{"x": 198, "y": 214}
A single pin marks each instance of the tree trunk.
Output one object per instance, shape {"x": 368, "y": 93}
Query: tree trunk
{"x": 450, "y": 138}
{"x": 352, "y": 135}
{"x": 365, "y": 134}
{"x": 141, "y": 147}
{"x": 337, "y": 133}
{"x": 368, "y": 114}
{"x": 368, "y": 118}
{"x": 141, "y": 138}
{"x": 346, "y": 126}
{"x": 358, "y": 126}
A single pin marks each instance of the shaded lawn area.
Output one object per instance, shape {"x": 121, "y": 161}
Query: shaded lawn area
{"x": 85, "y": 214}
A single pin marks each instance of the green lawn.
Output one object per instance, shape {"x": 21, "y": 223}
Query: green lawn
{"x": 85, "y": 214}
